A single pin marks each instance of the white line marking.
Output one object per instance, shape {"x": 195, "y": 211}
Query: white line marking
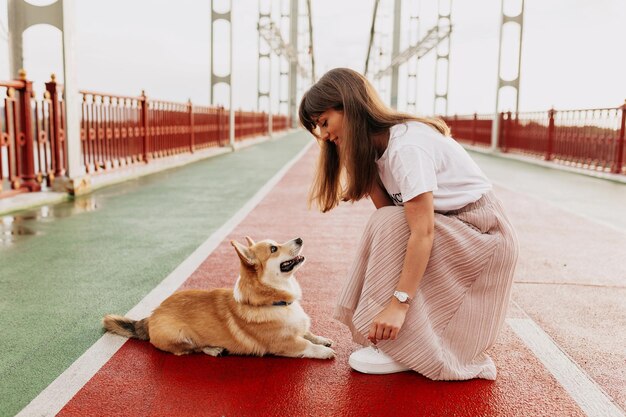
{"x": 52, "y": 399}
{"x": 587, "y": 394}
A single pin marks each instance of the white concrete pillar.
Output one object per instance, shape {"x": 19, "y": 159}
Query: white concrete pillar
{"x": 72, "y": 97}
{"x": 60, "y": 14}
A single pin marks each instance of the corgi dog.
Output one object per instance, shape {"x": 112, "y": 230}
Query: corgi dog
{"x": 260, "y": 316}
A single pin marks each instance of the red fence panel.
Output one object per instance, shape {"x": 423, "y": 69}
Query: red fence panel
{"x": 588, "y": 139}
{"x": 526, "y": 136}
{"x": 112, "y": 132}
{"x": 32, "y": 149}
{"x": 207, "y": 127}
{"x": 280, "y": 122}
{"x": 170, "y": 129}
{"x": 474, "y": 129}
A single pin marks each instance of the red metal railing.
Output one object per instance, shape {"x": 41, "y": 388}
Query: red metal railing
{"x": 475, "y": 129}
{"x": 589, "y": 139}
{"x": 210, "y": 127}
{"x": 111, "y": 131}
{"x": 115, "y": 131}
{"x": 121, "y": 130}
{"x": 250, "y": 124}
{"x": 280, "y": 122}
{"x": 32, "y": 142}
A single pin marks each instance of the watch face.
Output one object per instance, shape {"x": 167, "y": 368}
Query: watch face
{"x": 401, "y": 296}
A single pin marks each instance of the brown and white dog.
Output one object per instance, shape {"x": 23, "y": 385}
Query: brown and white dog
{"x": 260, "y": 316}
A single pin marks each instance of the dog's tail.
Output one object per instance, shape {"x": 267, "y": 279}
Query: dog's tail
{"x": 126, "y": 327}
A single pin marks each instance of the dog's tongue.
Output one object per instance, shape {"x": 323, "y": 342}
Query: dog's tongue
{"x": 288, "y": 264}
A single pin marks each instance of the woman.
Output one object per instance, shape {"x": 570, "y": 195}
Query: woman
{"x": 429, "y": 288}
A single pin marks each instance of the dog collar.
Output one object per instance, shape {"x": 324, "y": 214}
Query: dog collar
{"x": 281, "y": 303}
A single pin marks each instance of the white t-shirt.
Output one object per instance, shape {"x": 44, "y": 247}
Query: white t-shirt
{"x": 419, "y": 159}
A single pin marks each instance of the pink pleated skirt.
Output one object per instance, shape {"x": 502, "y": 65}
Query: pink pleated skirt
{"x": 462, "y": 299}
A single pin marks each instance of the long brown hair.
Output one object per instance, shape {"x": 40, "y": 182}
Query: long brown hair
{"x": 349, "y": 176}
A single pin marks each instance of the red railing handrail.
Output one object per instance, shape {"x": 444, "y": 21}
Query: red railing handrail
{"x": 99, "y": 94}
{"x": 569, "y": 110}
{"x": 12, "y": 84}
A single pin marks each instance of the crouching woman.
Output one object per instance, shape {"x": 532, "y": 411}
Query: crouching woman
{"x": 430, "y": 285}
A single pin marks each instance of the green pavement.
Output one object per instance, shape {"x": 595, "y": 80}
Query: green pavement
{"x": 62, "y": 267}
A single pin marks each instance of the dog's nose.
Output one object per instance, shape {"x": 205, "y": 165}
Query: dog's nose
{"x": 298, "y": 241}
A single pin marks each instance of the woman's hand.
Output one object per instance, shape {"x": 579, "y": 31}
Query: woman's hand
{"x": 388, "y": 322}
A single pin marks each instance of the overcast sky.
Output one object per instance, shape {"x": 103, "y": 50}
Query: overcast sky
{"x": 572, "y": 57}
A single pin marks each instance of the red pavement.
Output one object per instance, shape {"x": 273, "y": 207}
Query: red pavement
{"x": 142, "y": 381}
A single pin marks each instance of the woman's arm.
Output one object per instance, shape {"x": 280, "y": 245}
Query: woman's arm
{"x": 420, "y": 217}
{"x": 379, "y": 196}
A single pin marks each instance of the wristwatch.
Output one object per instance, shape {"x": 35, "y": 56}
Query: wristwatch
{"x": 402, "y": 297}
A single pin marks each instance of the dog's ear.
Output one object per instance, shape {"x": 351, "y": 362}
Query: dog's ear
{"x": 249, "y": 240}
{"x": 246, "y": 255}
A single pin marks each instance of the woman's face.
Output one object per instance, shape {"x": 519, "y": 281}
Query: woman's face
{"x": 330, "y": 124}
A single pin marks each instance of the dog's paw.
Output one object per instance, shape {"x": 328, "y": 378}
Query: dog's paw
{"x": 319, "y": 340}
{"x": 320, "y": 352}
{"x": 213, "y": 351}
{"x": 326, "y": 342}
{"x": 328, "y": 353}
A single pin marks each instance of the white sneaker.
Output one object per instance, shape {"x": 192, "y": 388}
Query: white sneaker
{"x": 373, "y": 361}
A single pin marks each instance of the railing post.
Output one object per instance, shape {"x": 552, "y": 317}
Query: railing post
{"x": 619, "y": 149}
{"x": 456, "y": 121}
{"x": 474, "y": 128}
{"x": 550, "y": 147}
{"x": 231, "y": 126}
{"x": 57, "y": 138}
{"x": 264, "y": 130}
{"x": 508, "y": 126}
{"x": 26, "y": 162}
{"x": 145, "y": 126}
{"x": 191, "y": 130}
{"x": 220, "y": 114}
{"x": 502, "y": 139}
{"x": 10, "y": 139}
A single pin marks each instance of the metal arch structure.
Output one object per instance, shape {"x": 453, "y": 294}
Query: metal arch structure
{"x": 59, "y": 14}
{"x": 270, "y": 32}
{"x": 431, "y": 40}
{"x": 412, "y": 63}
{"x": 294, "y": 65}
{"x": 514, "y": 83}
{"x": 305, "y": 47}
{"x": 310, "y": 51}
{"x": 444, "y": 31}
{"x": 395, "y": 49}
{"x": 265, "y": 56}
{"x": 225, "y": 79}
{"x": 284, "y": 60}
{"x": 372, "y": 35}
{"x": 290, "y": 67}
